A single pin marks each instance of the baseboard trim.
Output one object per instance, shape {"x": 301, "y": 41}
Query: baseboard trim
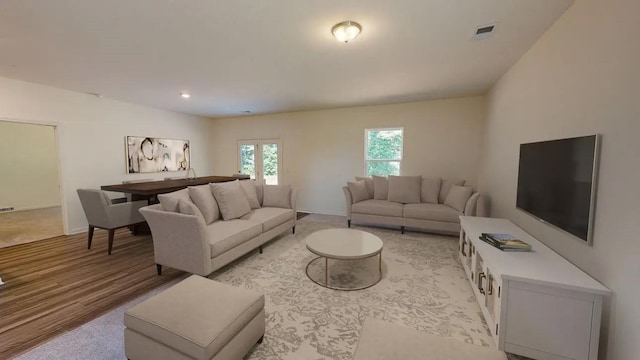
{"x": 38, "y": 207}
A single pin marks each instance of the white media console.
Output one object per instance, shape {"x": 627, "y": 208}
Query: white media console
{"x": 536, "y": 304}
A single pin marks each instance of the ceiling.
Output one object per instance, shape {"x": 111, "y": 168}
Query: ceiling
{"x": 267, "y": 56}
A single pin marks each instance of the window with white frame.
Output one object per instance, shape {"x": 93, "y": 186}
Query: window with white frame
{"x": 383, "y": 151}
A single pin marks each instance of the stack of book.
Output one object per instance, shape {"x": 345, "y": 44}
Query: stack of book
{"x": 505, "y": 242}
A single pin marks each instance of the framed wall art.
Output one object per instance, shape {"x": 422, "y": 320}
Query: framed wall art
{"x": 148, "y": 154}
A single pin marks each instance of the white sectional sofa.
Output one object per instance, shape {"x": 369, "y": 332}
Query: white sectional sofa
{"x": 202, "y": 228}
{"x": 430, "y": 204}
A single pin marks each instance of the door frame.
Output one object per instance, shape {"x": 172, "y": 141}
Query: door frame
{"x": 56, "y": 133}
{"x": 258, "y": 154}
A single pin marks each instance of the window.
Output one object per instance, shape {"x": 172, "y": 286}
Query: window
{"x": 260, "y": 159}
{"x": 383, "y": 151}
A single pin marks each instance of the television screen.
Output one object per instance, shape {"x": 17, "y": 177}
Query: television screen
{"x": 556, "y": 183}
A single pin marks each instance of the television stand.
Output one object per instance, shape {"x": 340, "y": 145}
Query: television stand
{"x": 536, "y": 304}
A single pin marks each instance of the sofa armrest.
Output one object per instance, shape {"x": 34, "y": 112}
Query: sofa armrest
{"x": 348, "y": 199}
{"x": 125, "y": 213}
{"x": 179, "y": 240}
{"x": 475, "y": 206}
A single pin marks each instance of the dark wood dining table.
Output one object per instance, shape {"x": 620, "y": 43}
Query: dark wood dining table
{"x": 149, "y": 190}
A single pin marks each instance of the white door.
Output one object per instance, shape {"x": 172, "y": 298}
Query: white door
{"x": 261, "y": 159}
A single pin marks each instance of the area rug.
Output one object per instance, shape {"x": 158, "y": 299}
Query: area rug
{"x": 423, "y": 287}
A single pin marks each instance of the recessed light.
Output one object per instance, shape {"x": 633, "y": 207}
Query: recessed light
{"x": 185, "y": 95}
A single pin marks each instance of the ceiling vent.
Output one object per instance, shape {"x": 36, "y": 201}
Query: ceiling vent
{"x": 484, "y": 32}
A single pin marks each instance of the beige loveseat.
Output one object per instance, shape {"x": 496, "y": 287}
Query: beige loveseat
{"x": 202, "y": 228}
{"x": 430, "y": 204}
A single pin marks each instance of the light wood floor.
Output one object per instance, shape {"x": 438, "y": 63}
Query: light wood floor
{"x": 54, "y": 285}
{"x": 21, "y": 227}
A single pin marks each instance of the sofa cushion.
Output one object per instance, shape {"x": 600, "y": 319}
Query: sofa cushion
{"x": 380, "y": 187}
{"x": 203, "y": 198}
{"x": 259, "y": 192}
{"x": 187, "y": 317}
{"x": 430, "y": 190}
{"x": 378, "y": 207}
{"x": 368, "y": 183}
{"x": 358, "y": 190}
{"x": 169, "y": 201}
{"x": 435, "y": 212}
{"x": 231, "y": 199}
{"x": 225, "y": 235}
{"x": 404, "y": 189}
{"x": 446, "y": 186}
{"x": 252, "y": 195}
{"x": 269, "y": 217}
{"x": 277, "y": 196}
{"x": 458, "y": 196}
{"x": 189, "y": 208}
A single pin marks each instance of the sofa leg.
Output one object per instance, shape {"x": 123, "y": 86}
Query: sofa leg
{"x": 402, "y": 229}
{"x": 260, "y": 340}
{"x": 159, "y": 269}
{"x": 260, "y": 249}
{"x": 348, "y": 223}
{"x": 293, "y": 230}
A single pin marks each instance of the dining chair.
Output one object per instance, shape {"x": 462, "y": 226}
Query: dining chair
{"x": 103, "y": 214}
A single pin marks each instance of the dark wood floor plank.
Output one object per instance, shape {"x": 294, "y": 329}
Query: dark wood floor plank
{"x": 55, "y": 285}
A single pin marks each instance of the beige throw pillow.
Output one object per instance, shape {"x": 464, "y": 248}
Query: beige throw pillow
{"x": 404, "y": 189}
{"x": 458, "y": 196}
{"x": 250, "y": 189}
{"x": 430, "y": 190}
{"x": 203, "y": 198}
{"x": 368, "y": 182}
{"x": 169, "y": 201}
{"x": 189, "y": 208}
{"x": 231, "y": 199}
{"x": 444, "y": 189}
{"x": 358, "y": 191}
{"x": 277, "y": 196}
{"x": 380, "y": 187}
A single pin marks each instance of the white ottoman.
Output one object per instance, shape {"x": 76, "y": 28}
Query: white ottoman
{"x": 197, "y": 318}
{"x": 380, "y": 340}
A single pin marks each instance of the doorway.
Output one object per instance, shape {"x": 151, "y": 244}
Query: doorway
{"x": 30, "y": 200}
{"x": 261, "y": 160}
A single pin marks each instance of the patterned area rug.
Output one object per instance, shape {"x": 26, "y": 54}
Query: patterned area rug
{"x": 423, "y": 287}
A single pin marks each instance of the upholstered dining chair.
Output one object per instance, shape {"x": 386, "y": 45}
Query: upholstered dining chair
{"x": 101, "y": 213}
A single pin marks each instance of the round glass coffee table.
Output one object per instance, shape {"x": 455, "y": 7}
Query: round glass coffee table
{"x": 351, "y": 248}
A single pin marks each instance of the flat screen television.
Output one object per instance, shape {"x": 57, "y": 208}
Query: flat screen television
{"x": 557, "y": 183}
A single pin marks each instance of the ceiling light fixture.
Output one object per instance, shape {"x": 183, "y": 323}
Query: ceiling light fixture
{"x": 185, "y": 95}
{"x": 346, "y": 31}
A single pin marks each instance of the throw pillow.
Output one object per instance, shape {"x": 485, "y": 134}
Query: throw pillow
{"x": 170, "y": 200}
{"x": 458, "y": 196}
{"x": 368, "y": 183}
{"x": 404, "y": 189}
{"x": 446, "y": 185}
{"x": 358, "y": 191}
{"x": 430, "y": 190}
{"x": 250, "y": 189}
{"x": 277, "y": 196}
{"x": 231, "y": 199}
{"x": 203, "y": 198}
{"x": 380, "y": 187}
{"x": 189, "y": 208}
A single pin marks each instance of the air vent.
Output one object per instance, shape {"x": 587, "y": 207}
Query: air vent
{"x": 484, "y": 31}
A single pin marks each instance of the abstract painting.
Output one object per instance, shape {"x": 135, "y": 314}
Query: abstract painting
{"x": 147, "y": 154}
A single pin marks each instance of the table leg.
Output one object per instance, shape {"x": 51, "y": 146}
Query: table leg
{"x": 326, "y": 271}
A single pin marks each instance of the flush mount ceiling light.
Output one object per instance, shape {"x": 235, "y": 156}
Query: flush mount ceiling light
{"x": 185, "y": 95}
{"x": 346, "y": 31}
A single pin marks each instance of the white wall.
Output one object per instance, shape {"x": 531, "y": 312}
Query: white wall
{"x": 91, "y": 135}
{"x": 582, "y": 77}
{"x": 29, "y": 163}
{"x": 322, "y": 150}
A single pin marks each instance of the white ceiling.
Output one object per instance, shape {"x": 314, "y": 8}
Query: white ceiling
{"x": 267, "y": 56}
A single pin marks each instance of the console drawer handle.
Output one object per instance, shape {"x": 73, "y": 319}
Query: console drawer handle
{"x": 480, "y": 277}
